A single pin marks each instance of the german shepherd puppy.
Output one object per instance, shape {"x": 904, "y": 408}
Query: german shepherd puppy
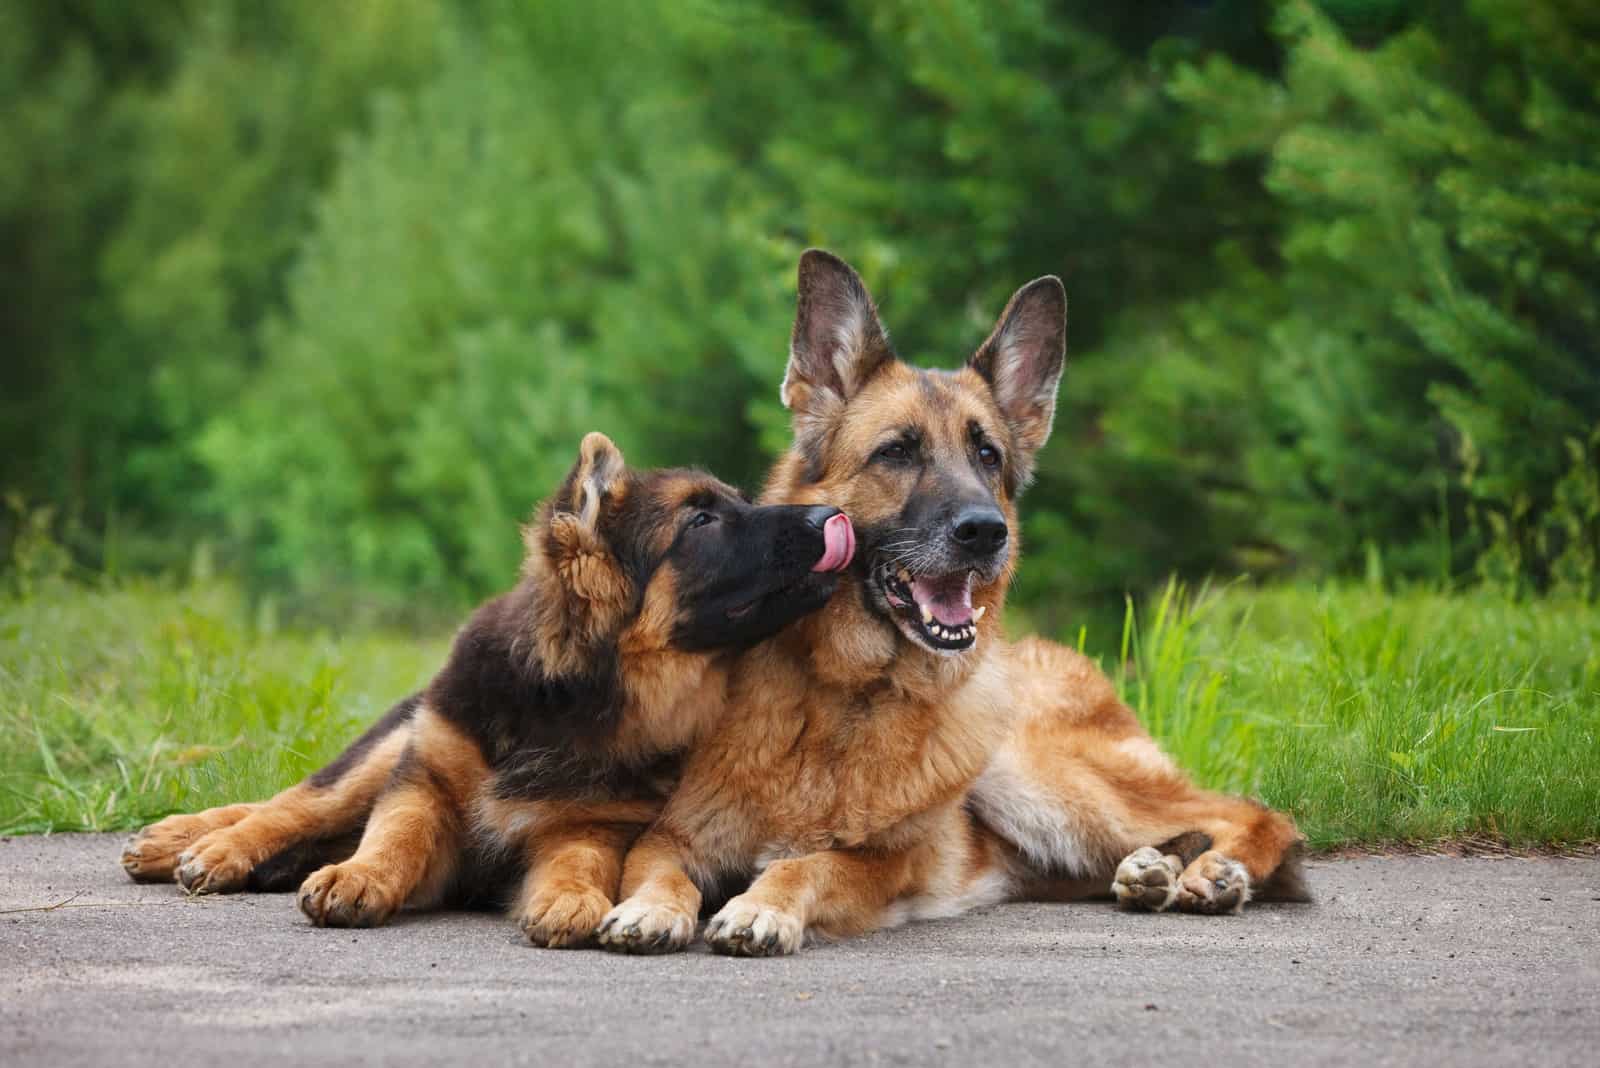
{"x": 890, "y": 756}
{"x": 543, "y": 746}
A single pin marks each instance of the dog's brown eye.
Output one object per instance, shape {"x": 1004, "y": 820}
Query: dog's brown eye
{"x": 989, "y": 456}
{"x": 702, "y": 519}
{"x": 895, "y": 451}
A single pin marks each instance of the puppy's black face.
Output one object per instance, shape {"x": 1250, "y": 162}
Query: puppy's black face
{"x": 739, "y": 572}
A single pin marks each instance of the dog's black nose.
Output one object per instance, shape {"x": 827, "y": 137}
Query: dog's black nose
{"x": 981, "y": 531}
{"x": 818, "y": 515}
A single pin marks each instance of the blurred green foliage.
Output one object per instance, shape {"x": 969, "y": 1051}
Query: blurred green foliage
{"x": 338, "y": 287}
{"x": 1418, "y": 346}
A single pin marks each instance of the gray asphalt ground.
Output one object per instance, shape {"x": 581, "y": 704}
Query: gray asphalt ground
{"x": 1401, "y": 960}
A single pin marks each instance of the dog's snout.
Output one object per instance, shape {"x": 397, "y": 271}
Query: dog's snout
{"x": 819, "y": 515}
{"x": 981, "y": 531}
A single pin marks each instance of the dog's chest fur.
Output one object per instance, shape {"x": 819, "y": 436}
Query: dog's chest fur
{"x": 801, "y": 765}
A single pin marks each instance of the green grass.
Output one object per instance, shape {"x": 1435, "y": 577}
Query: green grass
{"x": 124, "y": 703}
{"x": 1378, "y": 717}
{"x": 1373, "y": 717}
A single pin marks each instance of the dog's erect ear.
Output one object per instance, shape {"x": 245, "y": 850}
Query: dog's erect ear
{"x": 838, "y": 342}
{"x": 1022, "y": 362}
{"x": 584, "y": 592}
{"x": 599, "y": 468}
{"x": 569, "y": 542}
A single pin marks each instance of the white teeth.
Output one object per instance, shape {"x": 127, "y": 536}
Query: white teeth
{"x": 965, "y": 632}
{"x": 977, "y": 613}
{"x": 927, "y": 615}
{"x": 904, "y": 576}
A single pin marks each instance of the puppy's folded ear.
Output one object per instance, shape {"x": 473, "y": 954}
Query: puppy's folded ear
{"x": 838, "y": 343}
{"x": 1022, "y": 361}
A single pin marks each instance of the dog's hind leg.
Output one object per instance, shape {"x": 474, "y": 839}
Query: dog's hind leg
{"x": 1120, "y": 815}
{"x": 1082, "y": 793}
{"x": 331, "y": 803}
{"x": 1254, "y": 853}
{"x": 313, "y": 818}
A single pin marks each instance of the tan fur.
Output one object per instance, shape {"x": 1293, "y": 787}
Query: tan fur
{"x": 671, "y": 695}
{"x": 243, "y": 836}
{"x": 424, "y": 790}
{"x": 408, "y": 851}
{"x": 151, "y": 855}
{"x": 846, "y": 751}
{"x": 586, "y": 594}
{"x": 573, "y": 873}
{"x": 852, "y": 759}
{"x": 590, "y": 594}
{"x": 1079, "y": 785}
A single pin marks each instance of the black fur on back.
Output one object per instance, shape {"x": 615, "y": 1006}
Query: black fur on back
{"x": 396, "y": 717}
{"x": 544, "y": 736}
{"x": 547, "y": 732}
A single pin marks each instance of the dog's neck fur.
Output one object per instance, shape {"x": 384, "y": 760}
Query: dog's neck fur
{"x": 578, "y": 600}
{"x": 583, "y": 614}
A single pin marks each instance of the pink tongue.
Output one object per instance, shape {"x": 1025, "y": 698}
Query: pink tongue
{"x": 949, "y": 598}
{"x": 838, "y": 544}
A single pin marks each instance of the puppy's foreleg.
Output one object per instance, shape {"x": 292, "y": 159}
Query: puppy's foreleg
{"x": 571, "y": 883}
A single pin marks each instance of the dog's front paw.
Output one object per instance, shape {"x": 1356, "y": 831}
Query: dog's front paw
{"x": 151, "y": 856}
{"x": 747, "y": 928}
{"x": 1213, "y": 885}
{"x": 564, "y": 919}
{"x": 646, "y": 927}
{"x": 212, "y": 866}
{"x": 348, "y": 895}
{"x": 1146, "y": 880}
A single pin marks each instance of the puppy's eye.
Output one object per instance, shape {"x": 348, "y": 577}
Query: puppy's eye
{"x": 702, "y": 519}
{"x": 989, "y": 456}
{"x": 895, "y": 451}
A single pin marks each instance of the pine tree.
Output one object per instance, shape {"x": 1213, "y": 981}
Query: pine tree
{"x": 1434, "y": 285}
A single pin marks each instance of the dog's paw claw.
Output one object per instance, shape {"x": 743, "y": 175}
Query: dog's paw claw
{"x": 1147, "y": 881}
{"x": 564, "y": 919}
{"x": 642, "y": 927}
{"x": 346, "y": 895}
{"x": 151, "y": 855}
{"x": 209, "y": 867}
{"x": 750, "y": 929}
{"x": 1214, "y": 885}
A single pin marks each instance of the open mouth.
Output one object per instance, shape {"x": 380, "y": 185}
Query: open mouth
{"x": 938, "y": 608}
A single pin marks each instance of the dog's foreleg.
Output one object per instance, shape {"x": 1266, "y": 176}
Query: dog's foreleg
{"x": 836, "y": 891}
{"x": 660, "y": 903}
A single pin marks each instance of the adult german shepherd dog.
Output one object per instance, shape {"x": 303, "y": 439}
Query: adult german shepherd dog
{"x": 891, "y": 756}
{"x": 542, "y": 748}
